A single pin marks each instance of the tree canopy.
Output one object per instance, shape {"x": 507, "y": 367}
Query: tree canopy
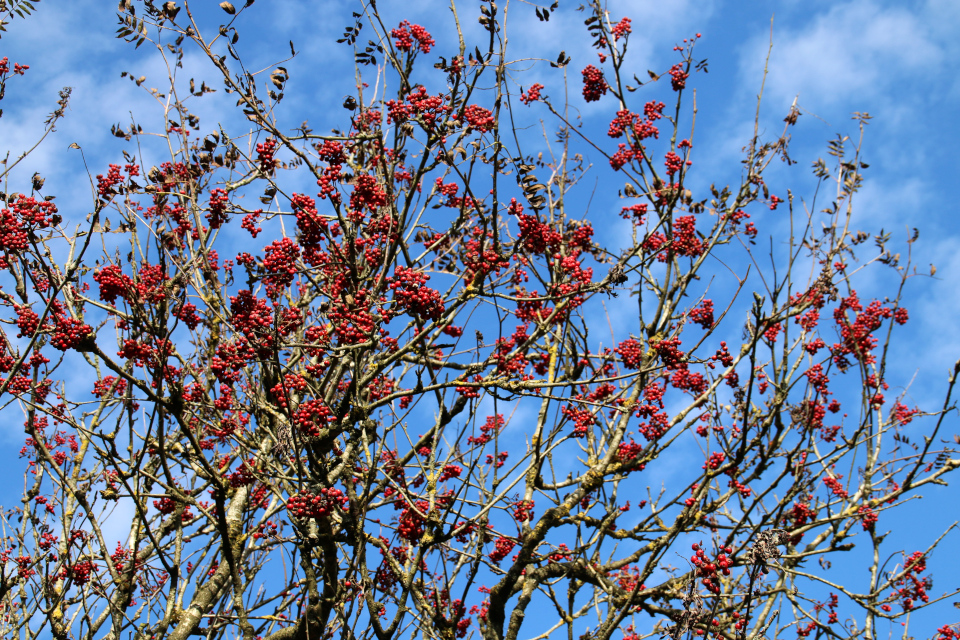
{"x": 375, "y": 375}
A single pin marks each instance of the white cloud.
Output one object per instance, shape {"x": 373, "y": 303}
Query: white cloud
{"x": 857, "y": 50}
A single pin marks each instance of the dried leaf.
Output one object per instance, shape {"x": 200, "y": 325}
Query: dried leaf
{"x": 226, "y": 6}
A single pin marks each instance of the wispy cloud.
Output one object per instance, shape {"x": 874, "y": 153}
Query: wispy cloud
{"x": 860, "y": 49}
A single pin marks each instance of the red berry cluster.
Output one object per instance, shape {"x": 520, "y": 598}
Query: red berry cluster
{"x": 830, "y": 606}
{"x": 150, "y": 281}
{"x": 450, "y": 471}
{"x": 685, "y": 239}
{"x": 113, "y": 283}
{"x": 28, "y": 322}
{"x": 678, "y": 77}
{"x": 352, "y": 319}
{"x": 252, "y": 316}
{"x": 250, "y": 223}
{"x": 478, "y": 118}
{"x": 217, "y": 215}
{"x": 523, "y": 511}
{"x": 36, "y": 213}
{"x": 141, "y": 354}
{"x": 582, "y": 420}
{"x": 535, "y": 236}
{"x": 316, "y": 505}
{"x": 243, "y": 476}
{"x": 280, "y": 261}
{"x": 312, "y": 416}
{"x": 410, "y": 523}
{"x": 69, "y": 333}
{"x": 669, "y": 352}
{"x": 858, "y": 338}
{"x": 367, "y": 119}
{"x": 562, "y": 553}
{"x": 500, "y": 460}
{"x": 623, "y": 156}
{"x": 799, "y": 515}
{"x": 814, "y": 346}
{"x": 628, "y": 578}
{"x": 708, "y": 570}
{"x": 429, "y": 109}
{"x": 579, "y": 237}
{"x": 809, "y": 320}
{"x": 623, "y": 121}
{"x": 674, "y": 163}
{"x": 645, "y": 129}
{"x": 47, "y": 540}
{"x": 901, "y": 414}
{"x": 770, "y": 335}
{"x": 811, "y": 414}
{"x": 80, "y": 572}
{"x": 636, "y": 212}
{"x": 411, "y": 295}
{"x": 311, "y": 226}
{"x": 716, "y": 459}
{"x": 659, "y": 422}
{"x": 629, "y": 451}
{"x": 653, "y": 110}
{"x": 187, "y": 313}
{"x": 685, "y": 380}
{"x": 949, "y": 632}
{"x": 121, "y": 556}
{"x": 868, "y": 517}
{"x": 105, "y": 387}
{"x": 265, "y": 156}
{"x": 166, "y": 506}
{"x": 440, "y": 602}
{"x": 910, "y": 586}
{"x": 18, "y": 68}
{"x": 15, "y": 225}
{"x": 703, "y": 315}
{"x": 479, "y": 259}
{"x": 501, "y": 549}
{"x": 532, "y": 94}
{"x": 488, "y": 430}
{"x": 818, "y": 379}
{"x": 653, "y": 242}
{"x": 741, "y": 488}
{"x": 13, "y": 236}
{"x": 594, "y": 84}
{"x": 833, "y": 483}
{"x": 449, "y": 189}
{"x": 367, "y": 192}
{"x": 332, "y": 153}
{"x": 631, "y": 353}
{"x": 621, "y": 29}
{"x": 266, "y": 530}
{"x": 105, "y": 185}
{"x": 406, "y": 34}
{"x": 173, "y": 172}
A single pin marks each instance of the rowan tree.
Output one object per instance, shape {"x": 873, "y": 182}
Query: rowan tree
{"x": 361, "y": 384}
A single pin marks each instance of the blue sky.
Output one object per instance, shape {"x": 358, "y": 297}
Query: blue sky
{"x": 895, "y": 60}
